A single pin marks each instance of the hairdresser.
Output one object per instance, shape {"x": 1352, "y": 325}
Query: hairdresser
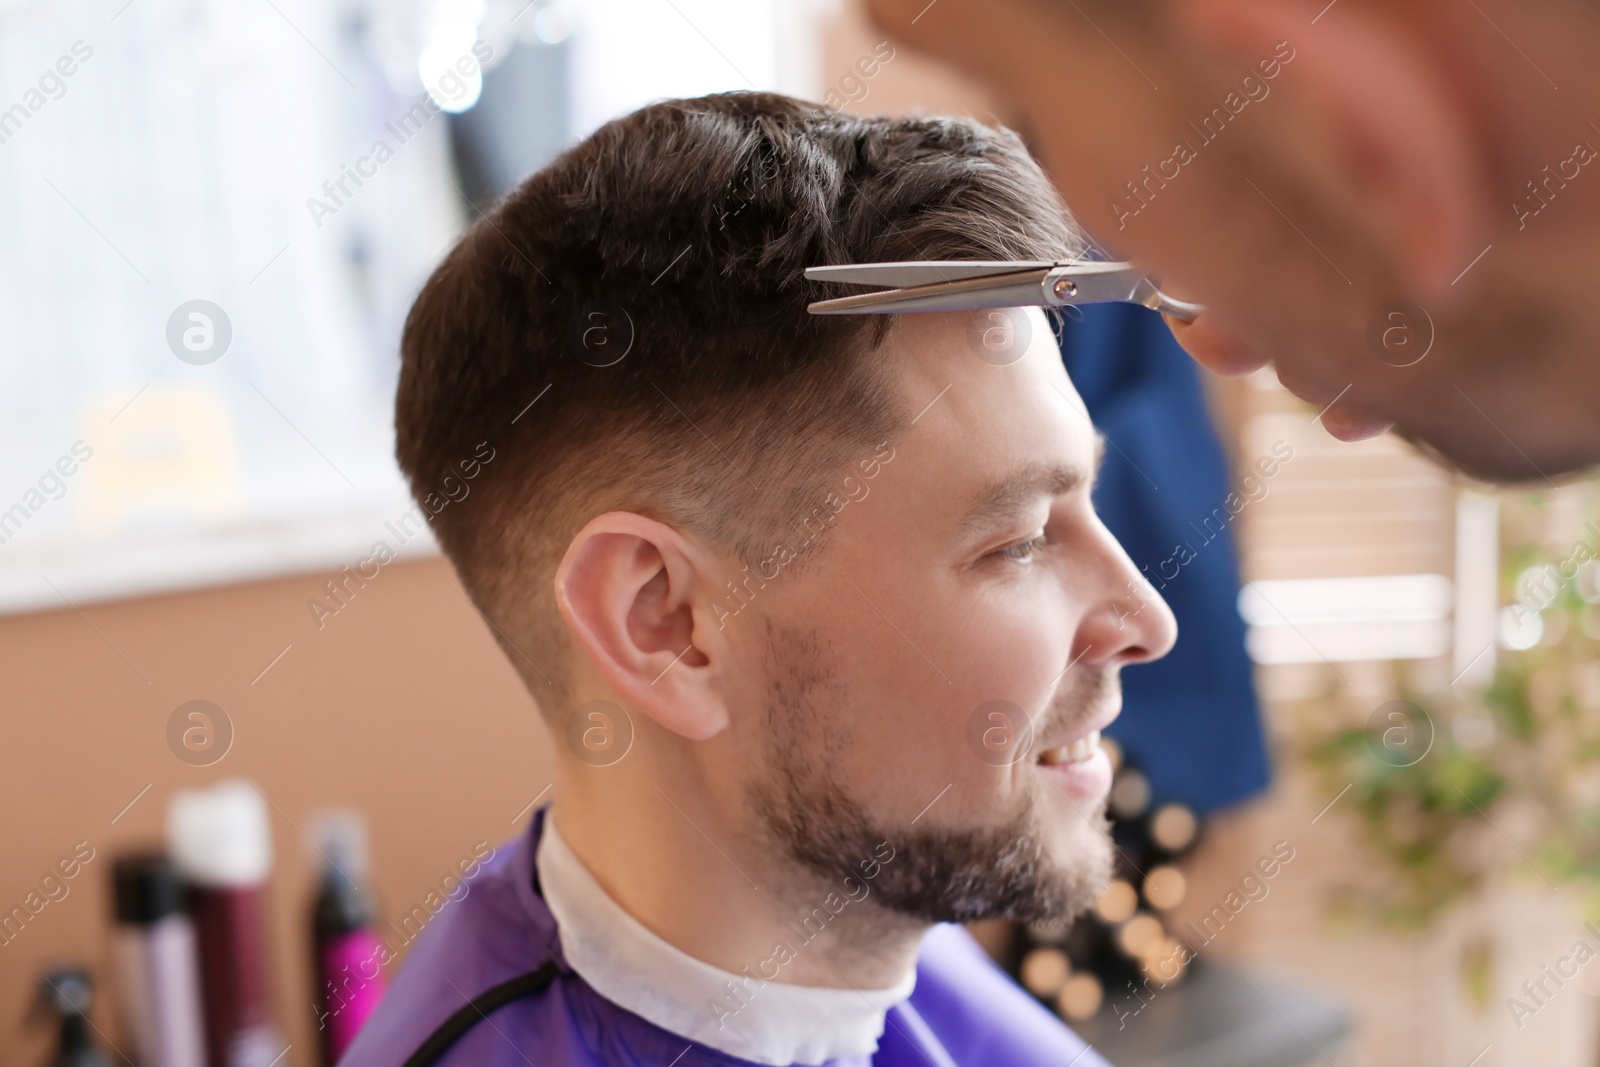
{"x": 1394, "y": 202}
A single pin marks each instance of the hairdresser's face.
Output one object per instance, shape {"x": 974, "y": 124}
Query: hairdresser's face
{"x": 938, "y": 676}
{"x": 1302, "y": 167}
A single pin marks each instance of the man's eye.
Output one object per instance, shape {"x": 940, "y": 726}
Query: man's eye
{"x": 1023, "y": 551}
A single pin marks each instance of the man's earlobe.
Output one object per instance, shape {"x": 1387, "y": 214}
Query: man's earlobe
{"x": 627, "y": 588}
{"x": 1392, "y": 139}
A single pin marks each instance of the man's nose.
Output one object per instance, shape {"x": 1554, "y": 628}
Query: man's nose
{"x": 1131, "y": 623}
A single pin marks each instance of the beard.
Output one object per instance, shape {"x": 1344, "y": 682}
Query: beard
{"x": 939, "y": 873}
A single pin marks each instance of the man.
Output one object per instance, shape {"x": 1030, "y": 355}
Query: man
{"x": 1393, "y": 201}
{"x": 817, "y": 609}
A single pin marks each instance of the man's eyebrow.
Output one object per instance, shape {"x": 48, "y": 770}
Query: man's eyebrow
{"x": 1002, "y": 502}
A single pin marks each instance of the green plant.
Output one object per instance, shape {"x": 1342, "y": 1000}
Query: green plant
{"x": 1509, "y": 784}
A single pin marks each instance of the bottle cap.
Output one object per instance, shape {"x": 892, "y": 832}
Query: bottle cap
{"x": 340, "y": 837}
{"x": 67, "y": 991}
{"x": 220, "y": 836}
{"x": 66, "y": 994}
{"x": 147, "y": 888}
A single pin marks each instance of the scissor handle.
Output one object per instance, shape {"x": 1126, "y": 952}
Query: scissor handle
{"x": 1098, "y": 283}
{"x": 1181, "y": 310}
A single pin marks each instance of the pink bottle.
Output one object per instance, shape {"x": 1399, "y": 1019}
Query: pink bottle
{"x": 348, "y": 954}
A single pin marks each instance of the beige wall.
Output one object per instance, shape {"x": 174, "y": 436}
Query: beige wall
{"x": 401, "y": 706}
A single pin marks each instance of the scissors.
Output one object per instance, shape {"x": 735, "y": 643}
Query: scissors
{"x": 958, "y": 285}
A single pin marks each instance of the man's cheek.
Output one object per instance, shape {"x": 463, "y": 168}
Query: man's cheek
{"x": 898, "y": 740}
{"x": 1015, "y": 650}
{"x": 898, "y": 767}
{"x": 991, "y": 711}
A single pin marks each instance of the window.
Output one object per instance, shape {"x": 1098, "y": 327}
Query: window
{"x": 217, "y": 216}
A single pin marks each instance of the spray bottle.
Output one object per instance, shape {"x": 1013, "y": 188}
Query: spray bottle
{"x": 348, "y": 956}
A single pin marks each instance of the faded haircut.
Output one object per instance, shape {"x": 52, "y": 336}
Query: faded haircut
{"x": 627, "y": 330}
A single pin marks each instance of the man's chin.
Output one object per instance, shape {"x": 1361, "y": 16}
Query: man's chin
{"x": 1080, "y": 851}
{"x": 1029, "y": 869}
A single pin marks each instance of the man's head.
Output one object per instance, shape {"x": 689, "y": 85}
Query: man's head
{"x": 1394, "y": 198}
{"x": 837, "y": 580}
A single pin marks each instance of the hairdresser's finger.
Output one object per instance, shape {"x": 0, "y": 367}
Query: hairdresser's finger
{"x": 1213, "y": 347}
{"x": 1347, "y": 424}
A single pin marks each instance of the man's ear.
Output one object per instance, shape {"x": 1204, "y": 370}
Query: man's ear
{"x": 1385, "y": 128}
{"x": 632, "y": 589}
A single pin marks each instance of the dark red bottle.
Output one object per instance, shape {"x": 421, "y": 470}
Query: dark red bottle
{"x": 222, "y": 844}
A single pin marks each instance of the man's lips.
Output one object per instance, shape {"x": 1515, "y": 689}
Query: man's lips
{"x": 1076, "y": 751}
{"x": 1082, "y": 743}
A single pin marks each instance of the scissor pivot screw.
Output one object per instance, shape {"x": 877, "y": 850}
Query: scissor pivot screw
{"x": 1066, "y": 287}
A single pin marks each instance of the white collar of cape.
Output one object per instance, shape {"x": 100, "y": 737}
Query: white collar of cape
{"x": 768, "y": 1022}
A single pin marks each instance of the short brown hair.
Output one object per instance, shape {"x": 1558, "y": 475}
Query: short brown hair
{"x": 627, "y": 330}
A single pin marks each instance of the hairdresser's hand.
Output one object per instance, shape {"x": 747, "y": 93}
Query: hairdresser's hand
{"x": 1214, "y": 348}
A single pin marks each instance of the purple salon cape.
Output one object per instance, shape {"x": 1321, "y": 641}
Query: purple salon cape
{"x": 964, "y": 1010}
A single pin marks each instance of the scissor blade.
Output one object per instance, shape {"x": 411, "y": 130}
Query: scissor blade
{"x": 924, "y": 272}
{"x": 1017, "y": 284}
{"x": 970, "y": 294}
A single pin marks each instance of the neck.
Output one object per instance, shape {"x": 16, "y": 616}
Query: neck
{"x": 687, "y": 865}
